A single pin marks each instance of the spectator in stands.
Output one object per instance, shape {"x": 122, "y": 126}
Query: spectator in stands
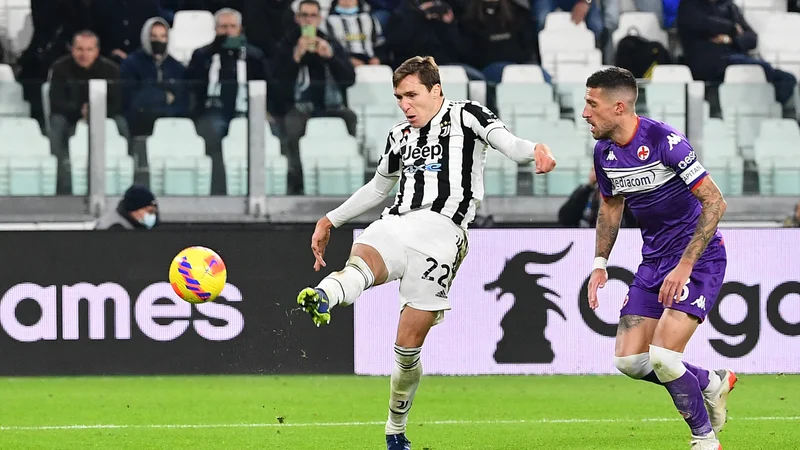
{"x": 382, "y": 10}
{"x": 69, "y": 98}
{"x": 312, "y": 72}
{"x": 153, "y": 80}
{"x": 357, "y": 31}
{"x": 612, "y": 9}
{"x": 153, "y": 86}
{"x": 500, "y": 33}
{"x": 582, "y": 11}
{"x": 137, "y": 210}
{"x": 793, "y": 221}
{"x": 119, "y": 22}
{"x": 580, "y": 210}
{"x": 429, "y": 28}
{"x": 715, "y": 35}
{"x": 218, "y": 74}
{"x": 55, "y": 22}
{"x": 266, "y": 22}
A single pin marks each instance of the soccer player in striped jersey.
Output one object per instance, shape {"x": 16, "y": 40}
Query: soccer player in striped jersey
{"x": 438, "y": 155}
{"x": 652, "y": 167}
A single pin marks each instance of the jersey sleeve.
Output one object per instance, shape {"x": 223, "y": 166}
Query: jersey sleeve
{"x": 481, "y": 120}
{"x": 389, "y": 164}
{"x": 603, "y": 182}
{"x": 678, "y": 154}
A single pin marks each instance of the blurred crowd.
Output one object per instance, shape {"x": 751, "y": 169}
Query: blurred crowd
{"x": 307, "y": 53}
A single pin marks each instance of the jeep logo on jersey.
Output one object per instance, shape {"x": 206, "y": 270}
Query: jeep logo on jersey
{"x": 156, "y": 311}
{"x": 425, "y": 152}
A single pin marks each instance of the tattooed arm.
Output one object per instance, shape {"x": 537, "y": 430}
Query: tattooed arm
{"x": 609, "y": 218}
{"x": 713, "y": 208}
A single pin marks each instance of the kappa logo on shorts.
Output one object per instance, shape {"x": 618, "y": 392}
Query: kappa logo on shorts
{"x": 524, "y": 324}
{"x": 700, "y": 302}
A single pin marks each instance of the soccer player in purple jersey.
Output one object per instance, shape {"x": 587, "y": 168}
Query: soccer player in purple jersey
{"x": 652, "y": 167}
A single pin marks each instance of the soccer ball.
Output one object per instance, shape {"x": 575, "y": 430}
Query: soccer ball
{"x": 197, "y": 275}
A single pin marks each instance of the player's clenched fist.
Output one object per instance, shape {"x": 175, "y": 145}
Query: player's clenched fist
{"x": 596, "y": 281}
{"x": 543, "y": 158}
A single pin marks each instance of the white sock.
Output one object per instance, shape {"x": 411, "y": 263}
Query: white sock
{"x": 713, "y": 382}
{"x": 405, "y": 379}
{"x": 346, "y": 285}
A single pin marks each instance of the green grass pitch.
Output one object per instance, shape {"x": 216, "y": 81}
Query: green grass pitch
{"x": 347, "y": 412}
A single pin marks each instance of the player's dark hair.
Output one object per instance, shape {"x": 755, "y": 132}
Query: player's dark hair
{"x": 423, "y": 67}
{"x": 613, "y": 79}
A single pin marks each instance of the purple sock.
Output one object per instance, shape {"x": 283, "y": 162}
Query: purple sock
{"x": 699, "y": 373}
{"x": 688, "y": 399}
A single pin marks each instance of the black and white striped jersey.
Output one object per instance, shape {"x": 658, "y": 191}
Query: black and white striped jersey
{"x": 441, "y": 164}
{"x": 359, "y": 33}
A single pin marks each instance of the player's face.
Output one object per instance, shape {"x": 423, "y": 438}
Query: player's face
{"x": 600, "y": 112}
{"x": 418, "y": 104}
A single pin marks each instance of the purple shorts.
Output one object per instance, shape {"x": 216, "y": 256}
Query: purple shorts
{"x": 697, "y": 297}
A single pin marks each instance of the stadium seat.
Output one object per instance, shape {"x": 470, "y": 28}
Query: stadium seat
{"x": 644, "y": 24}
{"x": 190, "y": 31}
{"x": 6, "y": 73}
{"x": 778, "y": 156}
{"x": 12, "y": 100}
{"x": 331, "y": 162}
{"x": 571, "y": 89}
{"x": 522, "y": 73}
{"x": 26, "y": 165}
{"x": 235, "y": 156}
{"x": 379, "y": 121}
{"x": 745, "y": 73}
{"x": 744, "y": 106}
{"x": 177, "y": 159}
{"x": 119, "y": 164}
{"x": 721, "y": 157}
{"x": 455, "y": 83}
{"x": 561, "y": 20}
{"x": 521, "y": 101}
{"x": 19, "y": 25}
{"x": 667, "y": 102}
{"x": 564, "y": 50}
{"x": 371, "y": 96}
{"x": 500, "y": 174}
{"x": 671, "y": 73}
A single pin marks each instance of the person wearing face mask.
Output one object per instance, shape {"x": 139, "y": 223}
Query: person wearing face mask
{"x": 137, "y": 210}
{"x": 218, "y": 76}
{"x": 357, "y": 30}
{"x": 153, "y": 85}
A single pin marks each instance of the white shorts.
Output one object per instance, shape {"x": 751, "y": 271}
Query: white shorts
{"x": 423, "y": 250}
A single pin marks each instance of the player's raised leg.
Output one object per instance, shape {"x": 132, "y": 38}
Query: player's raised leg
{"x": 365, "y": 268}
{"x": 411, "y": 332}
{"x": 673, "y": 332}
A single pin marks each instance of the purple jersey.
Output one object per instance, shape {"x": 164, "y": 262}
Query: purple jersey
{"x": 656, "y": 172}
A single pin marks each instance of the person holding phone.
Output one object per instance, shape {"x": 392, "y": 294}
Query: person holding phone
{"x": 312, "y": 71}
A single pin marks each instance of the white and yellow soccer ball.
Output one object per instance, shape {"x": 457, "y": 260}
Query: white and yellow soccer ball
{"x": 198, "y": 274}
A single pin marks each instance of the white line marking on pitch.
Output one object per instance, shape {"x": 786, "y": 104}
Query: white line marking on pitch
{"x": 361, "y": 424}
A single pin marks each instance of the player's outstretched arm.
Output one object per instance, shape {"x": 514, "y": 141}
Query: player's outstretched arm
{"x": 713, "y": 208}
{"x": 609, "y": 218}
{"x": 364, "y": 199}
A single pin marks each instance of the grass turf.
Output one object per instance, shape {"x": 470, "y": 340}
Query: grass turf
{"x": 347, "y": 412}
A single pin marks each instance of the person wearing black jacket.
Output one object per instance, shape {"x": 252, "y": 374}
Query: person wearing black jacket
{"x": 118, "y": 23}
{"x": 427, "y": 28}
{"x": 715, "y": 35}
{"x": 137, "y": 210}
{"x": 69, "y": 98}
{"x": 311, "y": 78}
{"x": 217, "y": 75}
{"x": 580, "y": 210}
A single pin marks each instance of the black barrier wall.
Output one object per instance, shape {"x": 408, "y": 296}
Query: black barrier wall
{"x": 85, "y": 303}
